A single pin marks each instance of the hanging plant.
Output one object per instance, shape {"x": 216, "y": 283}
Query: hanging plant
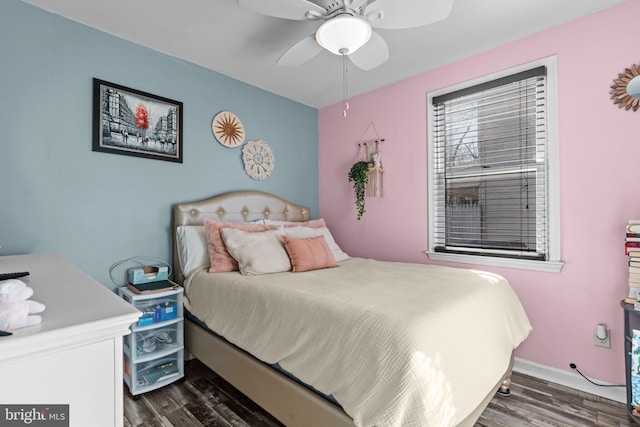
{"x": 358, "y": 175}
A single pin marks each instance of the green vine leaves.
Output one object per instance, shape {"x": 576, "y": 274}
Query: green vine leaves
{"x": 358, "y": 175}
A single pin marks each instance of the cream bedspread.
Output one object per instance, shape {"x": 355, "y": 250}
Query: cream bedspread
{"x": 396, "y": 344}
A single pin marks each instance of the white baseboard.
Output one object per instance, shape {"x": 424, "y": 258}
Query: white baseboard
{"x": 569, "y": 379}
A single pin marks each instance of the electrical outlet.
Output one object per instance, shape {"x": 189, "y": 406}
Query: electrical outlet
{"x": 598, "y": 332}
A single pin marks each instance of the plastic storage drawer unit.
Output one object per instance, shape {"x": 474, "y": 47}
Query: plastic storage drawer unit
{"x": 154, "y": 351}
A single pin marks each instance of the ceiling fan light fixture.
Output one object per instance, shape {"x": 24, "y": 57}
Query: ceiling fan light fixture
{"x": 343, "y": 34}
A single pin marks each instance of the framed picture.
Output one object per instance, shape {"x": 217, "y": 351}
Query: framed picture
{"x": 135, "y": 123}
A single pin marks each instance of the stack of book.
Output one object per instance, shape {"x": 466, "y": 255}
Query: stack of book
{"x": 632, "y": 250}
{"x": 151, "y": 279}
{"x": 159, "y": 286}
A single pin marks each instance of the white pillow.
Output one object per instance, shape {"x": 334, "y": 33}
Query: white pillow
{"x": 302, "y": 232}
{"x": 193, "y": 252}
{"x": 260, "y": 252}
{"x": 191, "y": 242}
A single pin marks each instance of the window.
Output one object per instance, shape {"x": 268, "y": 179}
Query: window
{"x": 492, "y": 157}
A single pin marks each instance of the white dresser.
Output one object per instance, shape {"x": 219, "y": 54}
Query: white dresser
{"x": 74, "y": 356}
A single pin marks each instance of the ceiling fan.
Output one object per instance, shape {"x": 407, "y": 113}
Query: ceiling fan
{"x": 347, "y": 28}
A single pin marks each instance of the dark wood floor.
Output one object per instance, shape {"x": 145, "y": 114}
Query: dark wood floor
{"x": 205, "y": 399}
{"x": 535, "y": 402}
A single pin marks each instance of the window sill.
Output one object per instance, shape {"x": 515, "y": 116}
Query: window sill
{"x": 548, "y": 266}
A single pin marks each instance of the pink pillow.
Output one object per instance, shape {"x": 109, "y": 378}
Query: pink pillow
{"x": 310, "y": 253}
{"x": 312, "y": 223}
{"x": 221, "y": 260}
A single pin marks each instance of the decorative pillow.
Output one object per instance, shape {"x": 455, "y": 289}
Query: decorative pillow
{"x": 257, "y": 252}
{"x": 311, "y": 253}
{"x": 191, "y": 242}
{"x": 312, "y": 223}
{"x": 219, "y": 257}
{"x": 299, "y": 232}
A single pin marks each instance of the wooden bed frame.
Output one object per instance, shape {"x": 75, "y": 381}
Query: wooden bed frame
{"x": 291, "y": 403}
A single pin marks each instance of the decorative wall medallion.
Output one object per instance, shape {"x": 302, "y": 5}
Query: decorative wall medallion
{"x": 624, "y": 92}
{"x": 228, "y": 129}
{"x": 258, "y": 159}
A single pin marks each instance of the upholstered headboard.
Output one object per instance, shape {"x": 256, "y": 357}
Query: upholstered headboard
{"x": 240, "y": 206}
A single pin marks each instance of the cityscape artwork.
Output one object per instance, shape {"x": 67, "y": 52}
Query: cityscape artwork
{"x": 134, "y": 123}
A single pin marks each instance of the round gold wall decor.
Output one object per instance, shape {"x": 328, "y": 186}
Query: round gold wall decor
{"x": 228, "y": 129}
{"x": 619, "y": 93}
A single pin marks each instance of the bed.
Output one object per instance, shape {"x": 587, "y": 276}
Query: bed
{"x": 317, "y": 379}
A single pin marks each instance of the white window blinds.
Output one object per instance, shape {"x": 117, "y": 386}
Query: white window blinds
{"x": 490, "y": 168}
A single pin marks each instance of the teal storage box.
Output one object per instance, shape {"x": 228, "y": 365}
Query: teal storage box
{"x": 146, "y": 319}
{"x": 148, "y": 273}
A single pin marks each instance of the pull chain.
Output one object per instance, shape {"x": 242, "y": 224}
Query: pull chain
{"x": 344, "y": 82}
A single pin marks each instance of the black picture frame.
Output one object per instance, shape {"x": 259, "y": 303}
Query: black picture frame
{"x": 135, "y": 123}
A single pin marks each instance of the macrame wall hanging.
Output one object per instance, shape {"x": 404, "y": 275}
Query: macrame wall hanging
{"x": 366, "y": 172}
{"x": 370, "y": 151}
{"x": 258, "y": 159}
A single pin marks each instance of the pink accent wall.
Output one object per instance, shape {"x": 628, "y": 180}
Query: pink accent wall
{"x": 599, "y": 147}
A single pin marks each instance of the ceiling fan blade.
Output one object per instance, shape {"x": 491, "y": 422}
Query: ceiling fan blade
{"x": 374, "y": 53}
{"x": 287, "y": 9}
{"x": 354, "y": 4}
{"x": 408, "y": 13}
{"x": 300, "y": 52}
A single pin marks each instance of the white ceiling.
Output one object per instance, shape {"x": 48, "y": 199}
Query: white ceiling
{"x": 222, "y": 36}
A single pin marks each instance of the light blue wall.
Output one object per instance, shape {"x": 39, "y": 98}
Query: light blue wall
{"x": 97, "y": 208}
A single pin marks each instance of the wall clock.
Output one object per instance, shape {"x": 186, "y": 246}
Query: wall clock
{"x": 258, "y": 159}
{"x": 228, "y": 129}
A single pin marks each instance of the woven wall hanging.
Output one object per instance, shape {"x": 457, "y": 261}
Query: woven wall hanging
{"x": 228, "y": 129}
{"x": 258, "y": 159}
